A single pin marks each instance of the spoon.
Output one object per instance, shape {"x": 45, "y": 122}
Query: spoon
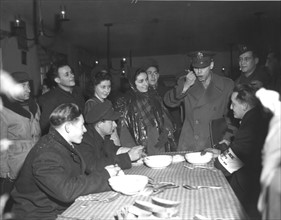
{"x": 200, "y": 187}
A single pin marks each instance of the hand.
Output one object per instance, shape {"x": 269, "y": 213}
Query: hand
{"x": 222, "y": 146}
{"x": 136, "y": 152}
{"x": 189, "y": 81}
{"x": 225, "y": 142}
{"x": 114, "y": 170}
{"x": 123, "y": 150}
{"x": 115, "y": 138}
{"x": 214, "y": 151}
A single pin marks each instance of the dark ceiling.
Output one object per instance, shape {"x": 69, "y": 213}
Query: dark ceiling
{"x": 145, "y": 28}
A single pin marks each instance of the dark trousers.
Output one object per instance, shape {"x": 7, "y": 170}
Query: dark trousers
{"x": 247, "y": 189}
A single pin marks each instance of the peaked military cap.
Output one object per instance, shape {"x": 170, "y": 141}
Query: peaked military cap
{"x": 201, "y": 59}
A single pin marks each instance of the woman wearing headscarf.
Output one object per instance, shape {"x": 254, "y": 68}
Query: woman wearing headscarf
{"x": 145, "y": 120}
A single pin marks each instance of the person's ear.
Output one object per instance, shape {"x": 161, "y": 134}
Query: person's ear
{"x": 57, "y": 80}
{"x": 67, "y": 127}
{"x": 245, "y": 107}
{"x": 212, "y": 65}
{"x": 99, "y": 124}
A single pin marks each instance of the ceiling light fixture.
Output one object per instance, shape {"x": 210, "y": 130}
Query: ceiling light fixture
{"x": 18, "y": 25}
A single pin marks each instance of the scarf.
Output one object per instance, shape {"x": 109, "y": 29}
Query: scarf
{"x": 149, "y": 109}
{"x": 18, "y": 108}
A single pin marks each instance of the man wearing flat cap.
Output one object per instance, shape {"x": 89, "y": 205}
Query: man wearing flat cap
{"x": 19, "y": 119}
{"x": 97, "y": 149}
{"x": 205, "y": 96}
{"x": 250, "y": 71}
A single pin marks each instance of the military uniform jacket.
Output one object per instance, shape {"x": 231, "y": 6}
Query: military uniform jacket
{"x": 201, "y": 106}
{"x": 260, "y": 74}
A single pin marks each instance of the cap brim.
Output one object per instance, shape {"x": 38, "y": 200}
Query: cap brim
{"x": 198, "y": 65}
{"x": 112, "y": 116}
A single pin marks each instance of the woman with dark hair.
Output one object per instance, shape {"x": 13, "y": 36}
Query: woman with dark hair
{"x": 100, "y": 88}
{"x": 145, "y": 120}
{"x": 54, "y": 173}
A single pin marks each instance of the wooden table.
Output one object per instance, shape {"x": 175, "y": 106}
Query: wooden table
{"x": 212, "y": 203}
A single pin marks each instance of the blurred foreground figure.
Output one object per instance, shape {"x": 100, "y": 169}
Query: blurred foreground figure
{"x": 270, "y": 197}
{"x": 10, "y": 88}
{"x": 54, "y": 173}
{"x": 19, "y": 118}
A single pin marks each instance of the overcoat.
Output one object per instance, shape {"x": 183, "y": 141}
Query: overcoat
{"x": 52, "y": 177}
{"x": 200, "y": 107}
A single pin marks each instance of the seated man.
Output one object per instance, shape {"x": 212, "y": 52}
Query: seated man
{"x": 240, "y": 161}
{"x": 54, "y": 173}
{"x": 97, "y": 146}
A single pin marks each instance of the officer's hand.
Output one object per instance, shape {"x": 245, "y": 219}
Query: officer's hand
{"x": 189, "y": 81}
{"x": 136, "y": 152}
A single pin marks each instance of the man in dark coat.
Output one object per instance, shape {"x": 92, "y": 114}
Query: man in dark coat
{"x": 97, "y": 148}
{"x": 241, "y": 160}
{"x": 65, "y": 92}
{"x": 54, "y": 173}
{"x": 205, "y": 96}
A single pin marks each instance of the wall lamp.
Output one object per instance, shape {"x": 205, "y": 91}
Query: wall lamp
{"x": 18, "y": 27}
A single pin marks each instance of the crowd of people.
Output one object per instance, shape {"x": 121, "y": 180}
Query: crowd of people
{"x": 62, "y": 146}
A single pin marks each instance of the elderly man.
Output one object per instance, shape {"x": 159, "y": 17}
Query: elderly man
{"x": 250, "y": 71}
{"x": 205, "y": 96}
{"x": 65, "y": 92}
{"x": 97, "y": 147}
